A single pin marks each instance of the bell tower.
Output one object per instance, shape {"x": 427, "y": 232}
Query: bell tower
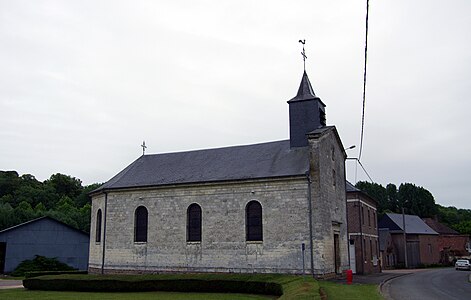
{"x": 306, "y": 113}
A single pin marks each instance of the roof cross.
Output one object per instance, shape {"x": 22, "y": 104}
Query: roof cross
{"x": 144, "y": 147}
{"x": 303, "y": 53}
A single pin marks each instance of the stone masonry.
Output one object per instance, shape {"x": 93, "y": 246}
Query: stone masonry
{"x": 223, "y": 248}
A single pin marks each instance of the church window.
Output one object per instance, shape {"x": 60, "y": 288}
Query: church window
{"x": 140, "y": 224}
{"x": 254, "y": 229}
{"x": 98, "y": 226}
{"x": 194, "y": 223}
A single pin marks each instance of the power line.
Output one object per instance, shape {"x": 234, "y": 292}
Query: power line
{"x": 364, "y": 81}
{"x": 361, "y": 165}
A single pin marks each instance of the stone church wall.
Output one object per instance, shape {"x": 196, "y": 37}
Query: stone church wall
{"x": 328, "y": 203}
{"x": 223, "y": 247}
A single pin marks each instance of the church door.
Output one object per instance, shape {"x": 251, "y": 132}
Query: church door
{"x": 337, "y": 253}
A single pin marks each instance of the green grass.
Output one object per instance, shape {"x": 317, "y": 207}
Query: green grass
{"x": 338, "y": 291}
{"x": 23, "y": 294}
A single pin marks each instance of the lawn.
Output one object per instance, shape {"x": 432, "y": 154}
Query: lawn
{"x": 336, "y": 291}
{"x": 23, "y": 294}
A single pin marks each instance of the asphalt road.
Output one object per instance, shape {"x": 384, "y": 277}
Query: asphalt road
{"x": 431, "y": 284}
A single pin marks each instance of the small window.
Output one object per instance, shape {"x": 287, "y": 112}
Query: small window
{"x": 253, "y": 221}
{"x": 334, "y": 181}
{"x": 98, "y": 226}
{"x": 333, "y": 153}
{"x": 369, "y": 218}
{"x": 362, "y": 214}
{"x": 140, "y": 224}
{"x": 374, "y": 219}
{"x": 194, "y": 223}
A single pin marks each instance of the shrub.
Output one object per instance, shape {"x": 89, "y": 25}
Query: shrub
{"x": 286, "y": 286}
{"x": 40, "y": 263}
{"x": 42, "y": 273}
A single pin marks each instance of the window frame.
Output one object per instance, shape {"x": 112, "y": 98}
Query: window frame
{"x": 194, "y": 223}
{"x": 141, "y": 231}
{"x": 254, "y": 221}
{"x": 98, "y": 221}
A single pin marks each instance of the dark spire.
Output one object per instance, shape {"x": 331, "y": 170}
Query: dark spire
{"x": 306, "y": 113}
{"x": 305, "y": 91}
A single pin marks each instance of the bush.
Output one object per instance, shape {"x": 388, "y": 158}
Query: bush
{"x": 277, "y": 285}
{"x": 40, "y": 263}
{"x": 42, "y": 273}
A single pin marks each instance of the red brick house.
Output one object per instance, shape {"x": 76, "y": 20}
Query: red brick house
{"x": 362, "y": 231}
{"x": 451, "y": 244}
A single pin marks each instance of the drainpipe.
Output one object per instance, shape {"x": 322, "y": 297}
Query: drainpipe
{"x": 361, "y": 236}
{"x": 309, "y": 200}
{"x": 104, "y": 235}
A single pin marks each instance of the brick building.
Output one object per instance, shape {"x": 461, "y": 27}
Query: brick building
{"x": 421, "y": 240}
{"x": 362, "y": 231}
{"x": 264, "y": 208}
{"x": 451, "y": 244}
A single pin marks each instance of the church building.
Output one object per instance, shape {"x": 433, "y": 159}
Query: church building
{"x": 276, "y": 207}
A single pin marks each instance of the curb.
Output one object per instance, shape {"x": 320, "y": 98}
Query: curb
{"x": 382, "y": 289}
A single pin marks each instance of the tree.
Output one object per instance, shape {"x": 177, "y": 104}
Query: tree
{"x": 393, "y": 204}
{"x": 65, "y": 185}
{"x": 375, "y": 191}
{"x": 416, "y": 200}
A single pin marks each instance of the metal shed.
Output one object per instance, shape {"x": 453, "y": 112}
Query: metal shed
{"x": 44, "y": 236}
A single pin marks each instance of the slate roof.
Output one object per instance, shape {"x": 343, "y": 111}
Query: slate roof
{"x": 40, "y": 219}
{"x": 305, "y": 91}
{"x": 383, "y": 234}
{"x": 350, "y": 187}
{"x": 265, "y": 160}
{"x": 414, "y": 224}
{"x": 439, "y": 227}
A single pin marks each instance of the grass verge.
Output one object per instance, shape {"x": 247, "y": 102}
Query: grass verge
{"x": 335, "y": 291}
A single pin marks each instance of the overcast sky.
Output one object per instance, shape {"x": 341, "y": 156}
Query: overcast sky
{"x": 83, "y": 83}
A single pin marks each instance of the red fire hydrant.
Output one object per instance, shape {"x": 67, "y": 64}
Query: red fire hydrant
{"x": 349, "y": 276}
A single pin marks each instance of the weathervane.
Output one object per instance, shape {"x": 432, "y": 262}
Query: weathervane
{"x": 303, "y": 54}
{"x": 143, "y": 147}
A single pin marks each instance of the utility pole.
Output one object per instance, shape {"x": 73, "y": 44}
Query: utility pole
{"x": 405, "y": 239}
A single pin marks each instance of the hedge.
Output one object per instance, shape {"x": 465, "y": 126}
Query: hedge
{"x": 42, "y": 273}
{"x": 287, "y": 286}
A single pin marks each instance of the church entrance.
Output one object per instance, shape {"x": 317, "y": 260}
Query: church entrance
{"x": 337, "y": 253}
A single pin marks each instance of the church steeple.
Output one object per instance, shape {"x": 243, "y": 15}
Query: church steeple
{"x": 306, "y": 113}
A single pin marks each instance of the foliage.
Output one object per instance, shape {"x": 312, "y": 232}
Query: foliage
{"x": 24, "y": 294}
{"x": 23, "y": 198}
{"x": 289, "y": 286}
{"x": 43, "y": 273}
{"x": 40, "y": 263}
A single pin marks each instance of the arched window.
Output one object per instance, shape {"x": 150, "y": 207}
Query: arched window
{"x": 98, "y": 226}
{"x": 253, "y": 221}
{"x": 140, "y": 224}
{"x": 193, "y": 225}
